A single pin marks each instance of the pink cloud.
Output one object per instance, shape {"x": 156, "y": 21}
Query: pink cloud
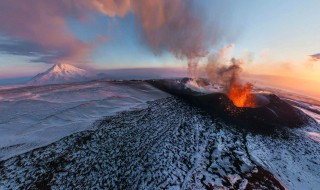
{"x": 42, "y": 23}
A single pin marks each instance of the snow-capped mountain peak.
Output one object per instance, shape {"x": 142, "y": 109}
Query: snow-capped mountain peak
{"x": 62, "y": 68}
{"x": 60, "y": 73}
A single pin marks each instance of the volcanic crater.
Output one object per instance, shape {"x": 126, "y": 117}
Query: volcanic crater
{"x": 264, "y": 113}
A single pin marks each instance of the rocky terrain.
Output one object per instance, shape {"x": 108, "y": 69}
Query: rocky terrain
{"x": 168, "y": 145}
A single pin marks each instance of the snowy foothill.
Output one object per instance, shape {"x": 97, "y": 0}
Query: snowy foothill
{"x": 34, "y": 116}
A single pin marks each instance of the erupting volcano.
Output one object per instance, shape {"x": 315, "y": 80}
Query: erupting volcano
{"x": 259, "y": 112}
{"x": 220, "y": 69}
{"x": 235, "y": 101}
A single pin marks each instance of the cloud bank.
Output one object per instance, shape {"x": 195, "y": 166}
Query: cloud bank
{"x": 39, "y": 27}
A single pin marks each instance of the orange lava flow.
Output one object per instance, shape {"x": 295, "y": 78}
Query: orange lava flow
{"x": 241, "y": 95}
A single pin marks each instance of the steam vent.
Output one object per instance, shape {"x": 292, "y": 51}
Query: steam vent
{"x": 267, "y": 112}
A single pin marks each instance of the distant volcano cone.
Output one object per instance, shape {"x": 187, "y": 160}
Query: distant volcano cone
{"x": 60, "y": 73}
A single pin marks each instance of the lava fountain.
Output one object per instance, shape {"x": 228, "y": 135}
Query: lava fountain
{"x": 241, "y": 95}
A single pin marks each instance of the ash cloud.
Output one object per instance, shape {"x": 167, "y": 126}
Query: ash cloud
{"x": 223, "y": 70}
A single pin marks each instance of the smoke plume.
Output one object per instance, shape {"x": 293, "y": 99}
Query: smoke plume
{"x": 216, "y": 63}
{"x": 173, "y": 25}
{"x": 166, "y": 25}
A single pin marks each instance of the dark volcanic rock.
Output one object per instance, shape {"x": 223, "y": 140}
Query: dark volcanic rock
{"x": 277, "y": 113}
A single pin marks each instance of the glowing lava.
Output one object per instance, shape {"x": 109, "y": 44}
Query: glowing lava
{"x": 241, "y": 95}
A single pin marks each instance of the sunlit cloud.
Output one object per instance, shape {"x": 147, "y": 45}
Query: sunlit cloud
{"x": 315, "y": 57}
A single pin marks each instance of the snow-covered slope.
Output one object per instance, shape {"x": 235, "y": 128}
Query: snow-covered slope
{"x": 33, "y": 116}
{"x": 168, "y": 145}
{"x": 60, "y": 73}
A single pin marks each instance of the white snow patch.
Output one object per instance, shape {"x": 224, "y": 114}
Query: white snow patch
{"x": 243, "y": 184}
{"x": 314, "y": 136}
{"x": 211, "y": 88}
{"x": 311, "y": 114}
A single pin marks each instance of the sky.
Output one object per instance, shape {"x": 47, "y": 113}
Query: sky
{"x": 274, "y": 37}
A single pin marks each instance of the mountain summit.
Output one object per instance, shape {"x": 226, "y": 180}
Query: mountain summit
{"x": 60, "y": 73}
